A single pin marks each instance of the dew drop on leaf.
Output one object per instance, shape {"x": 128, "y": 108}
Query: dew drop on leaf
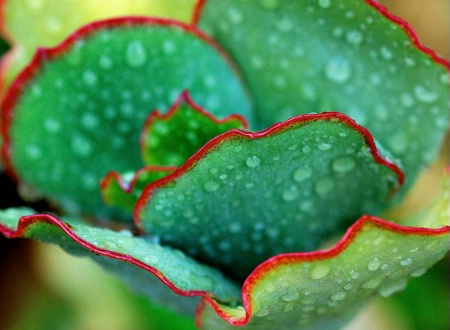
{"x": 302, "y": 174}
{"x": 253, "y": 161}
{"x": 320, "y": 271}
{"x": 343, "y": 164}
{"x": 136, "y": 55}
{"x": 338, "y": 70}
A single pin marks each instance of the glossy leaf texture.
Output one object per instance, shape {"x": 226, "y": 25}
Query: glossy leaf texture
{"x": 53, "y": 21}
{"x": 323, "y": 289}
{"x": 83, "y": 104}
{"x": 248, "y": 196}
{"x": 170, "y": 139}
{"x": 137, "y": 260}
{"x": 337, "y": 55}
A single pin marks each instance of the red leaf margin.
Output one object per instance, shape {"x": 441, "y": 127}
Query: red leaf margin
{"x": 274, "y": 129}
{"x": 200, "y": 4}
{"x": 26, "y": 222}
{"x": 299, "y": 257}
{"x": 185, "y": 97}
{"x": 43, "y": 55}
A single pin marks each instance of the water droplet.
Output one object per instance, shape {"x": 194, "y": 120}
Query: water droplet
{"x": 407, "y": 100}
{"x": 285, "y": 24}
{"x": 398, "y": 142}
{"x": 324, "y": 146}
{"x": 136, "y": 55}
{"x": 253, "y": 161}
{"x": 211, "y": 186}
{"x": 52, "y": 125}
{"x": 235, "y": 15}
{"x": 406, "y": 262}
{"x": 257, "y": 62}
{"x": 34, "y": 152}
{"x": 291, "y": 296}
{"x": 302, "y": 174}
{"x": 374, "y": 264}
{"x": 425, "y": 95}
{"x": 386, "y": 53}
{"x": 320, "y": 271}
{"x": 105, "y": 62}
{"x": 324, "y": 186}
{"x": 90, "y": 78}
{"x": 169, "y": 47}
{"x": 290, "y": 195}
{"x": 235, "y": 227}
{"x": 338, "y": 296}
{"x": 392, "y": 287}
{"x": 372, "y": 283}
{"x": 338, "y": 70}
{"x": 343, "y": 164}
{"x": 419, "y": 272}
{"x": 325, "y": 3}
{"x": 270, "y": 4}
{"x": 445, "y": 78}
{"x": 89, "y": 181}
{"x": 89, "y": 120}
{"x": 354, "y": 37}
{"x": 306, "y": 149}
{"x": 81, "y": 146}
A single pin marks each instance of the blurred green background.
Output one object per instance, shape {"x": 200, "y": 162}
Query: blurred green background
{"x": 41, "y": 287}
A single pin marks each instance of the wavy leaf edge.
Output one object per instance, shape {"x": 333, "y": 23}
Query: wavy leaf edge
{"x": 300, "y": 257}
{"x": 200, "y": 4}
{"x": 44, "y": 55}
{"x": 274, "y": 129}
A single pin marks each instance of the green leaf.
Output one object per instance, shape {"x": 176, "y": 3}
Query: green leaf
{"x": 249, "y": 196}
{"x": 170, "y": 139}
{"x": 140, "y": 261}
{"x": 77, "y": 110}
{"x": 52, "y": 21}
{"x": 124, "y": 190}
{"x": 337, "y": 55}
{"x": 323, "y": 289}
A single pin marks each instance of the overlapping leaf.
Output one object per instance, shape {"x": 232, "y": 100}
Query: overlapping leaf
{"x": 136, "y": 259}
{"x": 83, "y": 104}
{"x": 170, "y": 139}
{"x": 339, "y": 55}
{"x": 249, "y": 196}
{"x": 322, "y": 290}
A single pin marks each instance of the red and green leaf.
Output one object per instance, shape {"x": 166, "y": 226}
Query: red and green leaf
{"x": 348, "y": 56}
{"x": 170, "y": 139}
{"x": 249, "y": 196}
{"x": 83, "y": 104}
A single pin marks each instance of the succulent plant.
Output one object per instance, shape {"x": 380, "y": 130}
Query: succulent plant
{"x": 245, "y": 157}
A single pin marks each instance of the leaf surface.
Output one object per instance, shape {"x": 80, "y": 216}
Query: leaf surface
{"x": 323, "y": 289}
{"x": 77, "y": 111}
{"x": 249, "y": 196}
{"x": 137, "y": 260}
{"x": 52, "y": 21}
{"x": 337, "y": 55}
{"x": 170, "y": 139}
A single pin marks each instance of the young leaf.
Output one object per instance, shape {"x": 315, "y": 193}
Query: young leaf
{"x": 124, "y": 190}
{"x": 249, "y": 196}
{"x": 77, "y": 110}
{"x": 349, "y": 56}
{"x": 170, "y": 139}
{"x": 323, "y": 289}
